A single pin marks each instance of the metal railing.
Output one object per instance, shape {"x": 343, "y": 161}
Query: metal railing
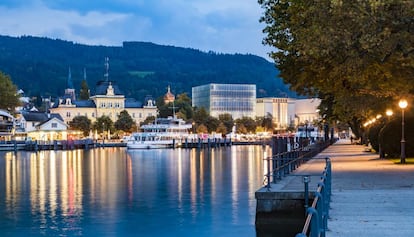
{"x": 283, "y": 164}
{"x": 316, "y": 223}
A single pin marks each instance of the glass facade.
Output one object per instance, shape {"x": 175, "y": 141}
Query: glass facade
{"x": 239, "y": 100}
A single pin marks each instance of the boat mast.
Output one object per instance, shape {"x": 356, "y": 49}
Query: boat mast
{"x": 173, "y": 108}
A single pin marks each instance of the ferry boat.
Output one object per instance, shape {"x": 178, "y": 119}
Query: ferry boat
{"x": 163, "y": 133}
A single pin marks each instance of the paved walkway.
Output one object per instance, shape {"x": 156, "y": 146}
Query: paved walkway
{"x": 370, "y": 196}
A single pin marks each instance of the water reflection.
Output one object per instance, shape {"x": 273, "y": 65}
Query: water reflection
{"x": 117, "y": 192}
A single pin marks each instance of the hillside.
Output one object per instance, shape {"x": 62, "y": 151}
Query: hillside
{"x": 40, "y": 66}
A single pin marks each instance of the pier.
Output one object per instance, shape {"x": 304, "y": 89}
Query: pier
{"x": 289, "y": 187}
{"x": 370, "y": 196}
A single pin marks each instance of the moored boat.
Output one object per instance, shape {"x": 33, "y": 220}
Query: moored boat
{"x": 163, "y": 133}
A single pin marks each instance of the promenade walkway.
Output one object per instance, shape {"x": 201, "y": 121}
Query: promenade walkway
{"x": 370, "y": 196}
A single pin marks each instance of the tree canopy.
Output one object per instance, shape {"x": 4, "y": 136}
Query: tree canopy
{"x": 125, "y": 122}
{"x": 9, "y": 99}
{"x": 81, "y": 123}
{"x": 356, "y": 55}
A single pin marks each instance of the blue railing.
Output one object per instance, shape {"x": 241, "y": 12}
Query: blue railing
{"x": 316, "y": 223}
{"x": 283, "y": 164}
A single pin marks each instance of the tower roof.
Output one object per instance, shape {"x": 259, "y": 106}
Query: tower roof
{"x": 169, "y": 97}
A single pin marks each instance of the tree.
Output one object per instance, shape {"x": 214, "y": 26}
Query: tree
{"x": 81, "y": 123}
{"x": 9, "y": 99}
{"x": 202, "y": 129}
{"x": 227, "y": 121}
{"x": 266, "y": 122}
{"x": 84, "y": 91}
{"x": 200, "y": 116}
{"x": 125, "y": 122}
{"x": 181, "y": 106}
{"x": 212, "y": 123}
{"x": 248, "y": 123}
{"x": 148, "y": 120}
{"x": 103, "y": 124}
{"x": 355, "y": 54}
{"x": 221, "y": 129}
{"x": 240, "y": 128}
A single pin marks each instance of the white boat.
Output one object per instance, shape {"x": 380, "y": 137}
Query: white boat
{"x": 163, "y": 133}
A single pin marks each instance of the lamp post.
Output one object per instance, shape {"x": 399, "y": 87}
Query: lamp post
{"x": 403, "y": 104}
{"x": 389, "y": 113}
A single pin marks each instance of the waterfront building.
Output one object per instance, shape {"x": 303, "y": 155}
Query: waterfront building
{"x": 108, "y": 100}
{"x": 303, "y": 111}
{"x": 6, "y": 125}
{"x": 277, "y": 108}
{"x": 41, "y": 126}
{"x": 239, "y": 100}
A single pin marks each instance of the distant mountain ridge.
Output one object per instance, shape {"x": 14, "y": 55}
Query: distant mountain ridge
{"x": 40, "y": 66}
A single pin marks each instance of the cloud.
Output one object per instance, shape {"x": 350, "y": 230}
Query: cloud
{"x": 230, "y": 26}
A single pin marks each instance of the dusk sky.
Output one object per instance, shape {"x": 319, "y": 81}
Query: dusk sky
{"x": 226, "y": 26}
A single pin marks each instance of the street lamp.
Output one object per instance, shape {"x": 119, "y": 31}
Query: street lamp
{"x": 403, "y": 104}
{"x": 389, "y": 113}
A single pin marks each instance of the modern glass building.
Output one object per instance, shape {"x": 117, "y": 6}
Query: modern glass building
{"x": 239, "y": 100}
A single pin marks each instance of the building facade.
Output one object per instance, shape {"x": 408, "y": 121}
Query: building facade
{"x": 107, "y": 101}
{"x": 303, "y": 111}
{"x": 239, "y": 100}
{"x": 40, "y": 126}
{"x": 275, "y": 107}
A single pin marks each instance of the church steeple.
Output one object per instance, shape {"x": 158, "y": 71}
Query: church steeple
{"x": 84, "y": 73}
{"x": 106, "y": 75}
{"x": 70, "y": 90}
{"x": 69, "y": 82}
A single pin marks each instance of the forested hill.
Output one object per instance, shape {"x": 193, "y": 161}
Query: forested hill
{"x": 40, "y": 66}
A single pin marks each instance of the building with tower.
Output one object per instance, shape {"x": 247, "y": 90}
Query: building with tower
{"x": 108, "y": 100}
{"x": 169, "y": 97}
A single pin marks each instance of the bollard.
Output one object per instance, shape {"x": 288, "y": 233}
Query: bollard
{"x": 268, "y": 174}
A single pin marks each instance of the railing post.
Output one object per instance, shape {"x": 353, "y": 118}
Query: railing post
{"x": 268, "y": 174}
{"x": 306, "y": 180}
{"x": 320, "y": 210}
{"x": 314, "y": 231}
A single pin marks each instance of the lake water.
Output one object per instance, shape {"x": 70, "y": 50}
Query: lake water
{"x": 116, "y": 192}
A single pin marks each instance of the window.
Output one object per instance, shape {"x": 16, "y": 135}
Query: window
{"x": 68, "y": 114}
{"x": 93, "y": 115}
{"x": 54, "y": 125}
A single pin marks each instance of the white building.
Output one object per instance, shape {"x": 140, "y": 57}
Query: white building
{"x": 276, "y": 107}
{"x": 301, "y": 111}
{"x": 239, "y": 100}
{"x": 41, "y": 126}
{"x": 108, "y": 100}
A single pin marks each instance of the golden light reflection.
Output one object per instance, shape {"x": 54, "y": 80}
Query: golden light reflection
{"x": 12, "y": 182}
{"x": 193, "y": 182}
{"x": 180, "y": 181}
{"x": 234, "y": 183}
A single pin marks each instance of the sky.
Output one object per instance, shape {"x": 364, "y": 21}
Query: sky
{"x": 223, "y": 26}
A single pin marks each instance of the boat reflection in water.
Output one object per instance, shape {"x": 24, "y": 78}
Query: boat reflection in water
{"x": 120, "y": 192}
